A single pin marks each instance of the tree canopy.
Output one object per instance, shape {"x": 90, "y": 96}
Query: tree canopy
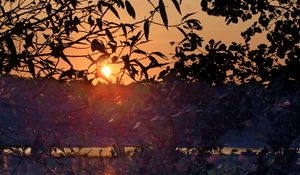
{"x": 36, "y": 38}
{"x": 238, "y": 63}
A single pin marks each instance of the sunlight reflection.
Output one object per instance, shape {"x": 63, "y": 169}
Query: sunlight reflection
{"x": 73, "y": 151}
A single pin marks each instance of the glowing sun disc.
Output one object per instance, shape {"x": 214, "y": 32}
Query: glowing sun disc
{"x": 106, "y": 71}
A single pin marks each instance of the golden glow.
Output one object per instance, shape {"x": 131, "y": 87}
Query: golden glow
{"x": 106, "y": 71}
{"x": 73, "y": 151}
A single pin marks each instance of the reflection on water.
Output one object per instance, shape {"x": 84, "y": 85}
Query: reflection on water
{"x": 228, "y": 150}
{"x": 223, "y": 151}
{"x": 73, "y": 151}
{"x": 94, "y": 152}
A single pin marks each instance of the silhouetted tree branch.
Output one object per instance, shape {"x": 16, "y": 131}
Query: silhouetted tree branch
{"x": 239, "y": 62}
{"x": 37, "y": 37}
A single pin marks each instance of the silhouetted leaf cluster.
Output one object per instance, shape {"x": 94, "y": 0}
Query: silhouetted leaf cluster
{"x": 43, "y": 38}
{"x": 236, "y": 63}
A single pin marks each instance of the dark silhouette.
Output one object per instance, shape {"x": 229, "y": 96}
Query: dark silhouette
{"x": 230, "y": 96}
{"x": 37, "y": 37}
{"x": 237, "y": 63}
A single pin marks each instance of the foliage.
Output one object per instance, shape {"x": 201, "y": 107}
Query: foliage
{"x": 38, "y": 38}
{"x": 239, "y": 62}
{"x": 161, "y": 117}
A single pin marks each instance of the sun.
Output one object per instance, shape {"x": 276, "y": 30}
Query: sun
{"x": 106, "y": 71}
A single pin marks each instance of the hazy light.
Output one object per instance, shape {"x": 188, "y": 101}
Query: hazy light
{"x": 106, "y": 70}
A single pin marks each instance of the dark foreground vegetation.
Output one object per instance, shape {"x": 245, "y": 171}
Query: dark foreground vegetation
{"x": 160, "y": 117}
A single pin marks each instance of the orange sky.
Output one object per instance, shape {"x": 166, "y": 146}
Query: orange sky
{"x": 213, "y": 28}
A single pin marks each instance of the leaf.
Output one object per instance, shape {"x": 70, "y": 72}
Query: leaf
{"x": 262, "y": 46}
{"x": 183, "y": 32}
{"x": 113, "y": 46}
{"x": 163, "y": 13}
{"x": 146, "y": 29}
{"x": 8, "y": 67}
{"x": 108, "y": 5}
{"x": 130, "y": 9}
{"x": 67, "y": 28}
{"x": 46, "y": 36}
{"x": 99, "y": 23}
{"x": 64, "y": 57}
{"x": 48, "y": 9}
{"x": 114, "y": 59}
{"x": 28, "y": 40}
{"x": 54, "y": 50}
{"x": 187, "y": 15}
{"x": 74, "y": 3}
{"x": 96, "y": 45}
{"x": 131, "y": 26}
{"x": 109, "y": 35}
{"x": 159, "y": 54}
{"x": 114, "y": 11}
{"x": 204, "y": 5}
{"x": 144, "y": 69}
{"x": 91, "y": 21}
{"x": 176, "y": 4}
{"x": 222, "y": 47}
{"x": 120, "y": 3}
{"x": 99, "y": 6}
{"x": 153, "y": 60}
{"x": 75, "y": 29}
{"x": 124, "y": 30}
{"x": 2, "y": 10}
{"x": 139, "y": 51}
{"x": 134, "y": 39}
{"x": 76, "y": 20}
{"x": 163, "y": 74}
{"x": 10, "y": 45}
{"x": 67, "y": 73}
{"x": 194, "y": 24}
{"x": 31, "y": 67}
{"x": 125, "y": 59}
{"x": 235, "y": 20}
{"x": 132, "y": 71}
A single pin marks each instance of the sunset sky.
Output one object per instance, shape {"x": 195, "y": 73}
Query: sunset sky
{"x": 160, "y": 37}
{"x": 213, "y": 28}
